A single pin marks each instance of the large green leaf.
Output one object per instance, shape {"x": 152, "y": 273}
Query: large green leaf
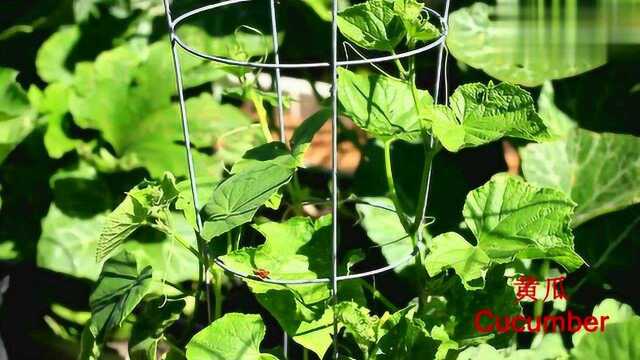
{"x": 384, "y": 228}
{"x": 373, "y": 25}
{"x": 254, "y": 180}
{"x": 17, "y": 119}
{"x": 479, "y": 114}
{"x": 527, "y": 49}
{"x": 146, "y": 204}
{"x": 599, "y": 171}
{"x": 514, "y": 219}
{"x": 382, "y": 106}
{"x": 120, "y": 288}
{"x": 296, "y": 249}
{"x": 233, "y": 336}
{"x": 450, "y": 250}
{"x": 615, "y": 311}
{"x": 619, "y": 341}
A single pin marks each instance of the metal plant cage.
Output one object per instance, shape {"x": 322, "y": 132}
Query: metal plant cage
{"x": 275, "y": 65}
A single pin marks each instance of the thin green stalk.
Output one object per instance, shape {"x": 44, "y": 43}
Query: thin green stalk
{"x": 262, "y": 115}
{"x": 379, "y": 296}
{"x": 217, "y": 293}
{"x": 538, "y": 307}
{"x": 392, "y": 189}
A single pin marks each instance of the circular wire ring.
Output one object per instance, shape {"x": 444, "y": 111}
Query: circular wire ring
{"x": 414, "y": 252}
{"x": 180, "y": 19}
{"x": 243, "y": 275}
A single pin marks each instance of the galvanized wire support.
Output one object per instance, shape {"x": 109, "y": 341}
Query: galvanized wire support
{"x": 333, "y": 64}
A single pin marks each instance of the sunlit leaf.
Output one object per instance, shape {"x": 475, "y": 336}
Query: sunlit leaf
{"x": 373, "y": 25}
{"x": 233, "y": 336}
{"x": 514, "y": 219}
{"x": 380, "y": 105}
{"x": 479, "y": 114}
{"x": 599, "y": 172}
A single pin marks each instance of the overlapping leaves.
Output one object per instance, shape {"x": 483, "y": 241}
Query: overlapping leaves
{"x": 296, "y": 249}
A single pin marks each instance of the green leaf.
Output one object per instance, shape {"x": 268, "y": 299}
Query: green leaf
{"x": 53, "y": 54}
{"x": 372, "y": 25}
{"x": 384, "y": 228}
{"x": 450, "y": 250}
{"x": 513, "y": 219}
{"x": 615, "y": 311}
{"x": 304, "y": 133}
{"x": 17, "y": 119}
{"x": 323, "y": 7}
{"x": 479, "y": 114}
{"x": 406, "y": 337}
{"x": 126, "y": 95}
{"x": 418, "y": 27}
{"x": 255, "y": 179}
{"x": 295, "y": 249}
{"x": 356, "y": 320}
{"x": 233, "y": 336}
{"x": 509, "y": 48}
{"x": 620, "y": 341}
{"x": 380, "y": 105}
{"x": 146, "y": 204}
{"x": 298, "y": 248}
{"x": 157, "y": 315}
{"x": 311, "y": 328}
{"x": 120, "y": 288}
{"x": 558, "y": 122}
{"x": 68, "y": 245}
{"x": 598, "y": 171}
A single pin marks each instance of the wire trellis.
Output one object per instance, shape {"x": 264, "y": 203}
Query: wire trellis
{"x": 277, "y": 66}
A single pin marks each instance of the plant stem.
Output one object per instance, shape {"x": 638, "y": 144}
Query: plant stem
{"x": 262, "y": 115}
{"x": 392, "y": 189}
{"x": 538, "y": 307}
{"x": 217, "y": 293}
{"x": 379, "y": 296}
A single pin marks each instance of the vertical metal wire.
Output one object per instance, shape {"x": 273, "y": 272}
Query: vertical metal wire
{"x": 276, "y": 58}
{"x": 436, "y": 97}
{"x": 190, "y": 165}
{"x": 283, "y": 136}
{"x": 334, "y": 169}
